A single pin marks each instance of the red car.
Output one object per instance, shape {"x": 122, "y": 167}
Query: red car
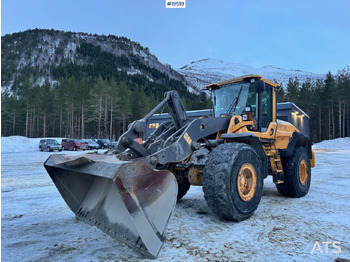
{"x": 73, "y": 144}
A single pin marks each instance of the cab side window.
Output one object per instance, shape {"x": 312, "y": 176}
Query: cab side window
{"x": 266, "y": 99}
{"x": 266, "y": 107}
{"x": 252, "y": 103}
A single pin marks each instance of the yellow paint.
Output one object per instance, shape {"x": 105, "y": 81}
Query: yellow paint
{"x": 313, "y": 159}
{"x": 218, "y": 134}
{"x": 285, "y": 131}
{"x": 246, "y": 182}
{"x": 187, "y": 138}
{"x": 195, "y": 176}
{"x": 242, "y": 78}
{"x": 233, "y": 128}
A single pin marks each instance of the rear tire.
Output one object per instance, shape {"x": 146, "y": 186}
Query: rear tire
{"x": 233, "y": 181}
{"x": 182, "y": 181}
{"x": 40, "y": 148}
{"x": 297, "y": 174}
{"x": 183, "y": 187}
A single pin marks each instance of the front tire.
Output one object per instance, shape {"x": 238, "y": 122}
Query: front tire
{"x": 233, "y": 181}
{"x": 297, "y": 174}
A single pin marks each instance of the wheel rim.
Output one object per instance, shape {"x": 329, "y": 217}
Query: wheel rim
{"x": 303, "y": 173}
{"x": 246, "y": 182}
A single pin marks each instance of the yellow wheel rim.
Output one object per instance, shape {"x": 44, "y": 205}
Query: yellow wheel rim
{"x": 246, "y": 182}
{"x": 303, "y": 173}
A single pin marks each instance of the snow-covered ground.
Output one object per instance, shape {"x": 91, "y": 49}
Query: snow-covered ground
{"x": 38, "y": 226}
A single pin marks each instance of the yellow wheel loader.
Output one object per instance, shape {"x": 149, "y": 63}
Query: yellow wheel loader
{"x": 131, "y": 191}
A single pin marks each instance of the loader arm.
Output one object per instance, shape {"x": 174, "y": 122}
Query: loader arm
{"x": 138, "y": 127}
{"x": 183, "y": 143}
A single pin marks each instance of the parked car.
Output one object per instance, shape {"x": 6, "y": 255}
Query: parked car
{"x": 73, "y": 144}
{"x": 104, "y": 143}
{"x": 91, "y": 144}
{"x": 49, "y": 145}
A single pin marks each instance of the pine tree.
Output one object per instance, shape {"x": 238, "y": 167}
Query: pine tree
{"x": 293, "y": 87}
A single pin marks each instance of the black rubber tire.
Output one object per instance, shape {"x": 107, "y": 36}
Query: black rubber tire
{"x": 292, "y": 186}
{"x": 40, "y": 148}
{"x": 183, "y": 187}
{"x": 220, "y": 181}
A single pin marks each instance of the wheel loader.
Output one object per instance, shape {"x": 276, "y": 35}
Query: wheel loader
{"x": 130, "y": 191}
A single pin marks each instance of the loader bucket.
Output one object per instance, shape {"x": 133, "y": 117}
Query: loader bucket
{"x": 128, "y": 200}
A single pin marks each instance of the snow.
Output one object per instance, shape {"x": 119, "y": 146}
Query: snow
{"x": 38, "y": 226}
{"x": 17, "y": 144}
{"x": 335, "y": 144}
{"x": 206, "y": 71}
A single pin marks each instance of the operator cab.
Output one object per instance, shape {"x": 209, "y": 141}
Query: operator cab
{"x": 241, "y": 96}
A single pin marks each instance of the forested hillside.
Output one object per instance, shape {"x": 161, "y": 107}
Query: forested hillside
{"x": 326, "y": 102}
{"x": 58, "y": 83}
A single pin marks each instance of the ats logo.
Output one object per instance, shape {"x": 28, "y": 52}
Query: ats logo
{"x": 325, "y": 246}
{"x": 175, "y": 3}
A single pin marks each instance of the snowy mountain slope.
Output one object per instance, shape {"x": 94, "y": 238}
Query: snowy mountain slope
{"x": 41, "y": 54}
{"x": 206, "y": 71}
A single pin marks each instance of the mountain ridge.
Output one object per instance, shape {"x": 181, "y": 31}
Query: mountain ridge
{"x": 205, "y": 71}
{"x": 40, "y": 54}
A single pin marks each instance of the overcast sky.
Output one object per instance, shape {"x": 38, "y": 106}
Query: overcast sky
{"x": 311, "y": 35}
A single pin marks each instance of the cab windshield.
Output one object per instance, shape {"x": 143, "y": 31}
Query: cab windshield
{"x": 241, "y": 97}
{"x": 230, "y": 99}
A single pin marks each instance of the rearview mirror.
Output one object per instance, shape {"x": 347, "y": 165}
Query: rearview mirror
{"x": 202, "y": 96}
{"x": 259, "y": 86}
